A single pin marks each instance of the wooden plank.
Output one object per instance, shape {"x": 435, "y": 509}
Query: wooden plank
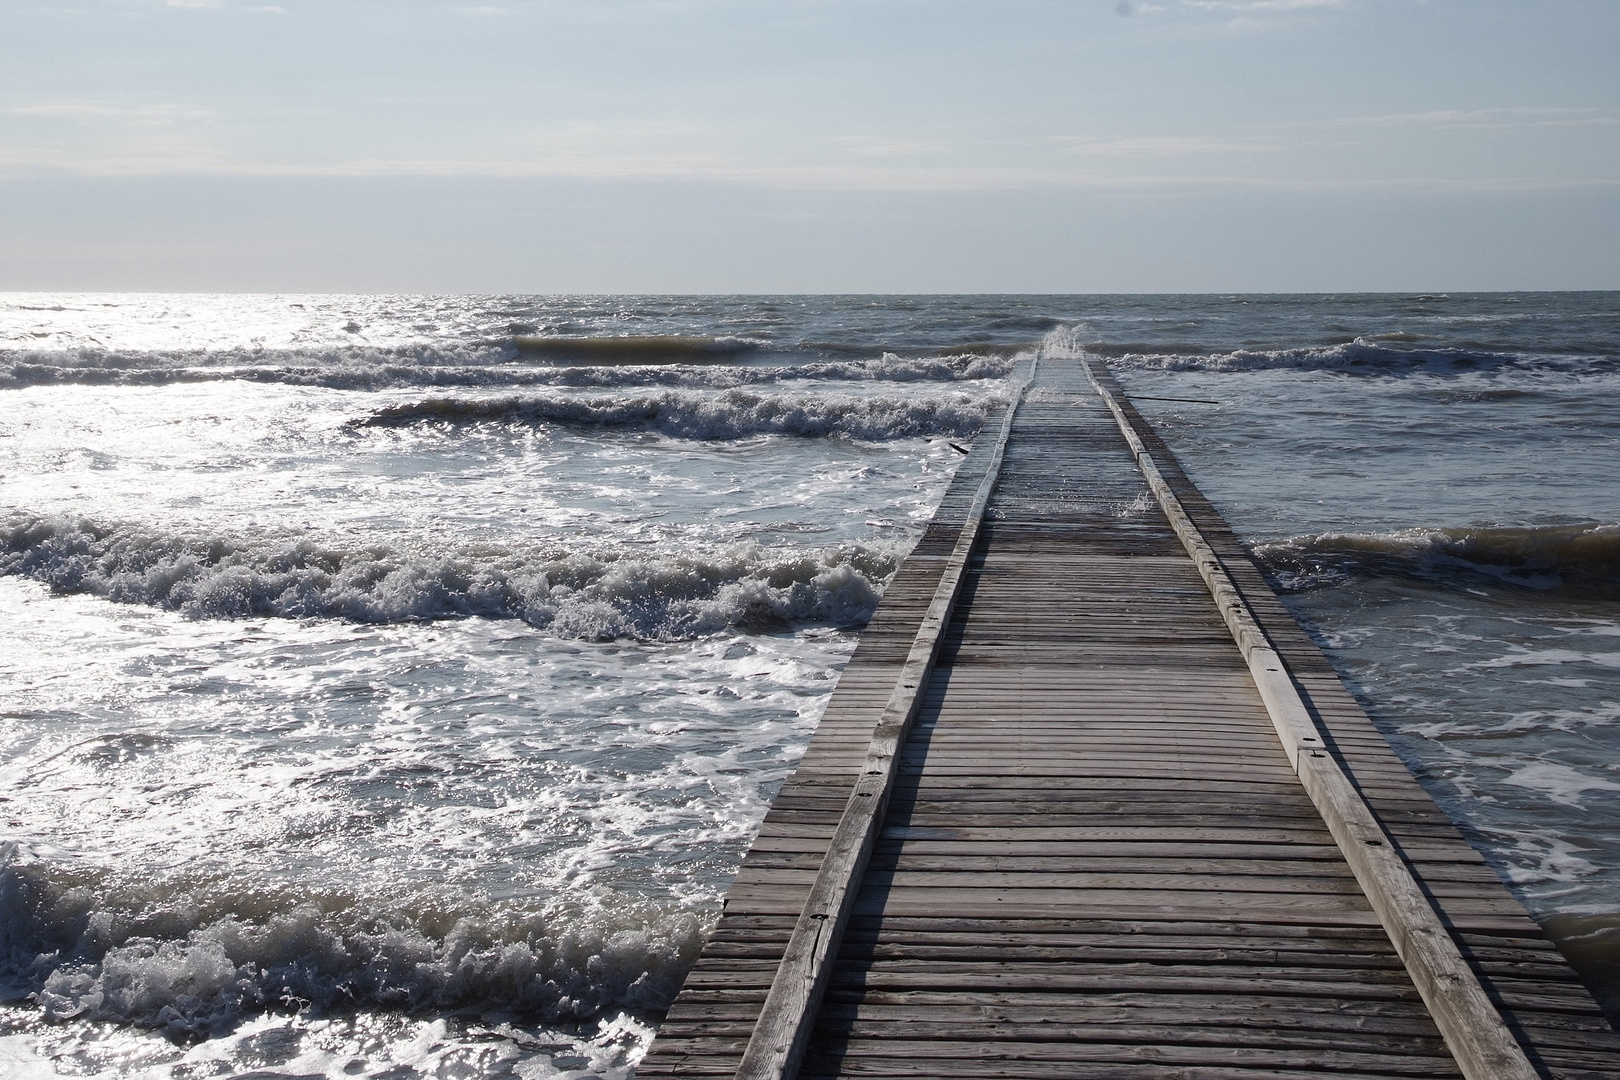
{"x": 783, "y": 1031}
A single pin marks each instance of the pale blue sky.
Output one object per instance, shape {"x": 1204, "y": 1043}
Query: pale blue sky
{"x": 891, "y": 145}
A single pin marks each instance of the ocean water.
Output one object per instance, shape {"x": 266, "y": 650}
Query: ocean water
{"x": 393, "y": 683}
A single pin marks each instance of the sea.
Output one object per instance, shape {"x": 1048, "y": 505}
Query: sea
{"x": 391, "y": 685}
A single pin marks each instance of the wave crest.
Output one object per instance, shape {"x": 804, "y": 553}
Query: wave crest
{"x": 664, "y": 349}
{"x": 1361, "y": 356}
{"x": 730, "y": 415}
{"x": 1535, "y": 557}
{"x": 188, "y": 960}
{"x": 593, "y": 595}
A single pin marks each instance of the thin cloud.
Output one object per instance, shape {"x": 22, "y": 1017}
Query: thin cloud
{"x": 1515, "y": 117}
{"x": 142, "y": 114}
{"x": 1160, "y": 146}
{"x": 851, "y": 177}
{"x": 1262, "y": 7}
{"x": 868, "y": 147}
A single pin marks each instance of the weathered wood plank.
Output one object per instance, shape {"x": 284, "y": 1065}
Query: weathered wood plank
{"x": 779, "y": 1039}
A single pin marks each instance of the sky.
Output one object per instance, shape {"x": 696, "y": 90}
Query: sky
{"x": 881, "y": 146}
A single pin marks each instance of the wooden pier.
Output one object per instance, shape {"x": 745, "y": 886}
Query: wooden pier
{"x": 1088, "y": 803}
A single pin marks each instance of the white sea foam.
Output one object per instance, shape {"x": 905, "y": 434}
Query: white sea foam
{"x": 1542, "y": 858}
{"x": 336, "y": 1048}
{"x": 198, "y": 956}
{"x": 730, "y": 414}
{"x": 585, "y": 594}
{"x": 1520, "y": 658}
{"x": 527, "y": 843}
{"x": 1560, "y": 783}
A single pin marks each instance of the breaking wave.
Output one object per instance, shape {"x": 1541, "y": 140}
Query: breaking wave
{"x": 194, "y": 957}
{"x": 731, "y": 414}
{"x": 1361, "y": 356}
{"x": 891, "y": 367}
{"x": 592, "y": 595}
{"x": 663, "y": 349}
{"x": 489, "y": 365}
{"x": 1541, "y": 557}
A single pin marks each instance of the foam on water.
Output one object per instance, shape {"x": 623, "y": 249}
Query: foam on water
{"x": 1561, "y": 783}
{"x": 730, "y": 414}
{"x": 192, "y": 954}
{"x": 599, "y": 593}
{"x": 317, "y": 819}
{"x": 362, "y": 1044}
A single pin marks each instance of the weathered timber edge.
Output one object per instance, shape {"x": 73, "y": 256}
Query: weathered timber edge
{"x": 780, "y": 1037}
{"x": 1474, "y": 1031}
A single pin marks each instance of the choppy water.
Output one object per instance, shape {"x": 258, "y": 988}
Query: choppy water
{"x": 389, "y": 690}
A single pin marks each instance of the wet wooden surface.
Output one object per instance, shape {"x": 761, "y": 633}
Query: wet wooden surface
{"x": 1097, "y": 861}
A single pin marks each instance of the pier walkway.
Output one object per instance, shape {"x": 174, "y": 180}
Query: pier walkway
{"x": 1103, "y": 846}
